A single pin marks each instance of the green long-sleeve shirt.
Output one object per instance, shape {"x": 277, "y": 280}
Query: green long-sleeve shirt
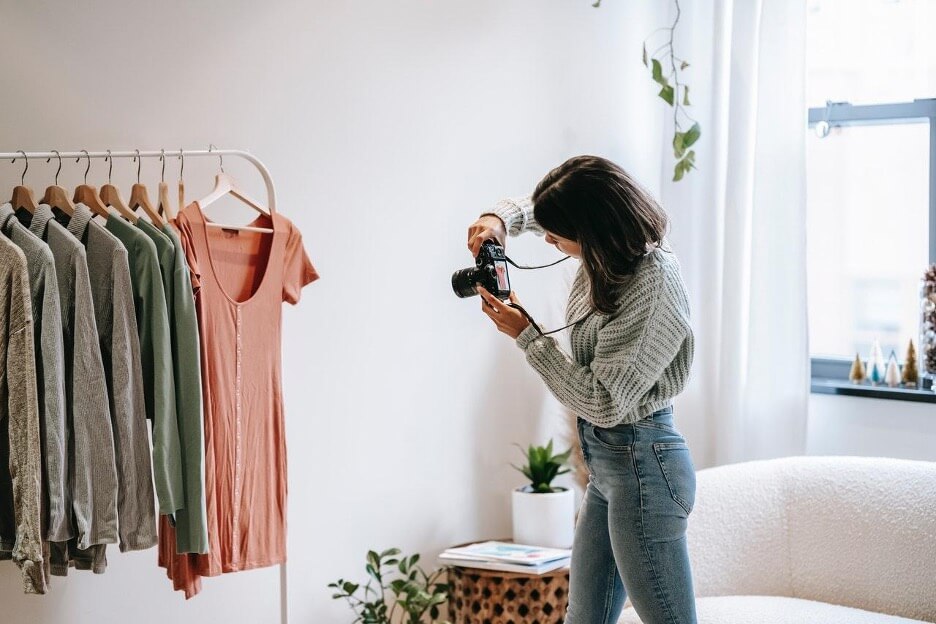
{"x": 149, "y": 298}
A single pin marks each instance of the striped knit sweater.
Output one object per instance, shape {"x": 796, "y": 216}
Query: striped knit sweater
{"x": 626, "y": 365}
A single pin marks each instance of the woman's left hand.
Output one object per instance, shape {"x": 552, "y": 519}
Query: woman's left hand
{"x": 508, "y": 320}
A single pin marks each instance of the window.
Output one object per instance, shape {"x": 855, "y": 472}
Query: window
{"x": 871, "y": 180}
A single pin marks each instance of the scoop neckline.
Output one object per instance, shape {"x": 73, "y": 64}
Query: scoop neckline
{"x": 266, "y": 269}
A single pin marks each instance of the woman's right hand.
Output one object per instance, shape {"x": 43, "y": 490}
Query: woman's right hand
{"x": 486, "y": 228}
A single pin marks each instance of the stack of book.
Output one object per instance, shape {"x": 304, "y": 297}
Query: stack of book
{"x": 507, "y": 557}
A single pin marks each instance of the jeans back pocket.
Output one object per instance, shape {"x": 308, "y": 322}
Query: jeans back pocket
{"x": 678, "y": 470}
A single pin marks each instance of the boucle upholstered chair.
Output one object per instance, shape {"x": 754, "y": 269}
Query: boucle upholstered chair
{"x": 814, "y": 540}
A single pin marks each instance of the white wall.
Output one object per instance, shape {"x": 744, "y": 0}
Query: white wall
{"x": 388, "y": 127}
{"x": 844, "y": 425}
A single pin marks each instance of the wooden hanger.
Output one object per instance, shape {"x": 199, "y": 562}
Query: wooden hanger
{"x": 88, "y": 195}
{"x": 224, "y": 185}
{"x": 111, "y": 196}
{"x": 163, "y": 206}
{"x": 55, "y": 196}
{"x": 181, "y": 204}
{"x": 139, "y": 197}
{"x": 23, "y": 196}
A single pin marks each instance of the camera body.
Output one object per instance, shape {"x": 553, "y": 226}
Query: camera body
{"x": 490, "y": 271}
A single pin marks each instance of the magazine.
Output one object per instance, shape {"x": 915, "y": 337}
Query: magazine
{"x": 507, "y": 552}
{"x": 502, "y": 566}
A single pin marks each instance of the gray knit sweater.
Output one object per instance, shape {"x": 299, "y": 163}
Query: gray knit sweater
{"x": 626, "y": 365}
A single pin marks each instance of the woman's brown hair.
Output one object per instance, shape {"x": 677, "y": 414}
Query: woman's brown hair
{"x": 592, "y": 201}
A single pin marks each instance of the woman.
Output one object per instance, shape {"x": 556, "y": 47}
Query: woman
{"x": 632, "y": 349}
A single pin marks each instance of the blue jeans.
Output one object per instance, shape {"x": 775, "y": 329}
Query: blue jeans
{"x": 630, "y": 537}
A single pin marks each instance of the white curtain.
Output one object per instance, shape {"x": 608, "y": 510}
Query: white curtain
{"x": 739, "y": 229}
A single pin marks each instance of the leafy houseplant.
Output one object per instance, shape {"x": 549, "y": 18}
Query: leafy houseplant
{"x": 543, "y": 515}
{"x": 542, "y": 466}
{"x": 670, "y": 93}
{"x": 416, "y": 594}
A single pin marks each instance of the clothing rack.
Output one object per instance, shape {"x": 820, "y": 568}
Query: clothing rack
{"x": 180, "y": 154}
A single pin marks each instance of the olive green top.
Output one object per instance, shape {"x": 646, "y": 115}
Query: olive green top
{"x": 149, "y": 298}
{"x": 191, "y": 521}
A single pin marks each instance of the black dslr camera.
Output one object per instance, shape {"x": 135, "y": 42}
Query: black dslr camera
{"x": 490, "y": 271}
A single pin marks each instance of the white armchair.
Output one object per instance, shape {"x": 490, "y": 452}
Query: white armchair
{"x": 814, "y": 540}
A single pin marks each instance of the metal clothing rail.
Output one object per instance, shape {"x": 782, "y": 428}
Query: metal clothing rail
{"x": 180, "y": 154}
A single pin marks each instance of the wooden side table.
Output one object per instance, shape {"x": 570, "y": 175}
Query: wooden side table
{"x": 480, "y": 596}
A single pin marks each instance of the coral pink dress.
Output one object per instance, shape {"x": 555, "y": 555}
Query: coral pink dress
{"x": 241, "y": 280}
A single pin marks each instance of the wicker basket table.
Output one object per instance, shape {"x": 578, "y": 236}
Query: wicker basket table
{"x": 493, "y": 597}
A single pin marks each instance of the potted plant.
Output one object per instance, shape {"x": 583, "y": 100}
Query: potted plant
{"x": 543, "y": 515}
{"x": 416, "y": 595}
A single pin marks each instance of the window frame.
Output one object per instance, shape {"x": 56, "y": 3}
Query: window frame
{"x": 830, "y": 375}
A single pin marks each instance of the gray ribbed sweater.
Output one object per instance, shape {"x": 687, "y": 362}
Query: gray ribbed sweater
{"x": 49, "y": 352}
{"x": 626, "y": 365}
{"x": 20, "y": 477}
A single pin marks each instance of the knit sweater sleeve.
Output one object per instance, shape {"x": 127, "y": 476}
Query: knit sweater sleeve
{"x": 517, "y": 215}
{"x": 631, "y": 353}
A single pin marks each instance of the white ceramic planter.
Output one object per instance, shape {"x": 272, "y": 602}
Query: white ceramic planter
{"x": 546, "y": 519}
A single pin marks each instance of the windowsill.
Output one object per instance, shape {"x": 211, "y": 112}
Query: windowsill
{"x": 846, "y": 388}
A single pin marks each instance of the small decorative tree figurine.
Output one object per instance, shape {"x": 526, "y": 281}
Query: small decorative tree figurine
{"x": 892, "y": 374}
{"x": 857, "y": 373}
{"x": 911, "y": 374}
{"x": 876, "y": 365}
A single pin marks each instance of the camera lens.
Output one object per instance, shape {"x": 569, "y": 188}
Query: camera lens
{"x": 463, "y": 282}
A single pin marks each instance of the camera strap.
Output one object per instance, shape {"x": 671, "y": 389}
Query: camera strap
{"x": 536, "y": 267}
{"x": 527, "y": 314}
{"x": 536, "y": 327}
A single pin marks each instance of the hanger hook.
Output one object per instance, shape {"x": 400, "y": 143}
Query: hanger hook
{"x": 110, "y": 167}
{"x": 88, "y": 168}
{"x": 139, "y": 162}
{"x": 181, "y": 164}
{"x": 59, "y": 170}
{"x": 23, "y": 177}
{"x": 162, "y": 157}
{"x": 220, "y": 157}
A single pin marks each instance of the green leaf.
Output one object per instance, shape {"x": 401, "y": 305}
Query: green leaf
{"x": 658, "y": 73}
{"x": 692, "y": 135}
{"x": 683, "y": 65}
{"x": 667, "y": 94}
{"x": 350, "y": 587}
{"x": 644, "y": 57}
{"x": 678, "y": 144}
{"x": 683, "y": 166}
{"x": 678, "y": 174}
{"x": 390, "y": 551}
{"x": 685, "y": 99}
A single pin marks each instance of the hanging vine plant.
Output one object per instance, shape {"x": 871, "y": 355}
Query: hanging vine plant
{"x": 674, "y": 93}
